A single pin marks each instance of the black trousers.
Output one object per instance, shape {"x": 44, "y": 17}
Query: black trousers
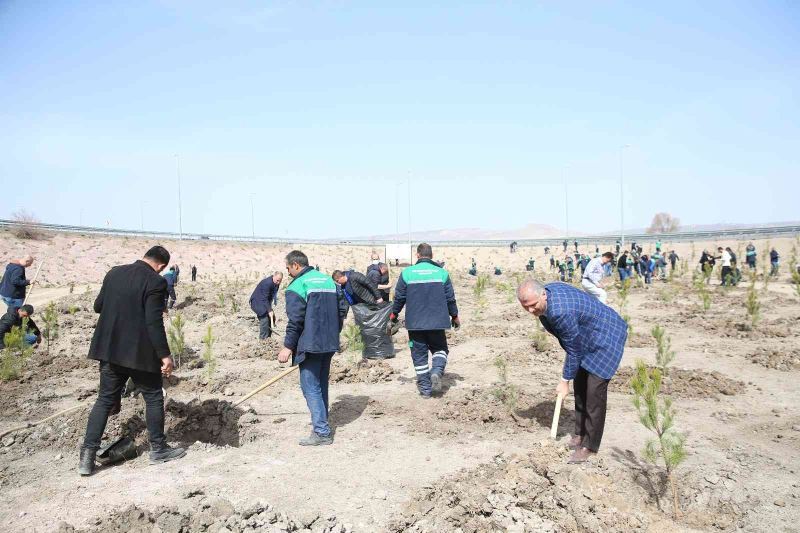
{"x": 591, "y": 399}
{"x": 112, "y": 381}
{"x": 726, "y": 273}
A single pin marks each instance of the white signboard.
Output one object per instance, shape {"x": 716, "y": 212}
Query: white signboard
{"x": 398, "y": 253}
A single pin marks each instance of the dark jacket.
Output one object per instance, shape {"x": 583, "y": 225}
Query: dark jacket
{"x": 12, "y": 319}
{"x": 374, "y": 274}
{"x": 171, "y": 278}
{"x": 130, "y": 330}
{"x": 359, "y": 289}
{"x": 264, "y": 297}
{"x": 314, "y": 314}
{"x": 14, "y": 282}
{"x": 428, "y": 291}
{"x": 622, "y": 262}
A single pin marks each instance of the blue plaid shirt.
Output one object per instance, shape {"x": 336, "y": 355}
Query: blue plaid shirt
{"x": 592, "y": 334}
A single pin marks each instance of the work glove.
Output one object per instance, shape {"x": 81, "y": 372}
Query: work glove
{"x": 455, "y": 322}
{"x": 393, "y": 326}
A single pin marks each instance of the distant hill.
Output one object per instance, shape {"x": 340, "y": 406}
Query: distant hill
{"x": 531, "y": 231}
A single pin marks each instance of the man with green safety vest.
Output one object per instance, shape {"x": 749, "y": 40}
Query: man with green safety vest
{"x": 315, "y": 312}
{"x": 425, "y": 290}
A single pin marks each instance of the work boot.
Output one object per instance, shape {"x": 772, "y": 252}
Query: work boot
{"x": 166, "y": 454}
{"x": 86, "y": 465}
{"x": 316, "y": 439}
{"x": 581, "y": 455}
{"x": 436, "y": 382}
{"x": 425, "y": 395}
{"x": 575, "y": 442}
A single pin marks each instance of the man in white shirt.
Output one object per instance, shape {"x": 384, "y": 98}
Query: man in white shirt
{"x": 725, "y": 256}
{"x": 592, "y": 281}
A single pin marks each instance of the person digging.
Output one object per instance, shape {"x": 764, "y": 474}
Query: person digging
{"x": 15, "y": 317}
{"x": 129, "y": 341}
{"x": 593, "y": 336}
{"x": 426, "y": 292}
{"x": 264, "y": 297}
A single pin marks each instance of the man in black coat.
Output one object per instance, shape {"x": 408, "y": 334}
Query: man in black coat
{"x": 379, "y": 275}
{"x": 130, "y": 342}
{"x": 16, "y": 318}
{"x": 358, "y": 288}
{"x": 263, "y": 298}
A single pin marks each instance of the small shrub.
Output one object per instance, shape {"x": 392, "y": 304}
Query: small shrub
{"x": 701, "y": 287}
{"x": 50, "y": 329}
{"x": 752, "y": 304}
{"x": 540, "y": 341}
{"x": 352, "y": 338}
{"x": 27, "y": 226}
{"x": 15, "y": 353}
{"x": 72, "y": 309}
{"x": 234, "y": 304}
{"x": 658, "y": 416}
{"x": 221, "y": 299}
{"x": 664, "y": 355}
{"x": 176, "y": 339}
{"x": 209, "y": 358}
{"x": 505, "y": 391}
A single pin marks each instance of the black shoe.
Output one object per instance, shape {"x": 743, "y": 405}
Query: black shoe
{"x": 86, "y": 465}
{"x": 425, "y": 396}
{"x": 166, "y": 454}
{"x": 436, "y": 382}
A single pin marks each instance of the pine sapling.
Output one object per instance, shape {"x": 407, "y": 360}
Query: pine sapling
{"x": 664, "y": 355}
{"x": 15, "y": 353}
{"x": 657, "y": 415}
{"x": 505, "y": 391}
{"x": 175, "y": 337}
{"x": 209, "y": 358}
{"x": 352, "y": 338}
{"x": 752, "y": 304}
{"x": 50, "y": 329}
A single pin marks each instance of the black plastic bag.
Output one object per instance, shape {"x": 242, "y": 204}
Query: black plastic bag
{"x": 372, "y": 322}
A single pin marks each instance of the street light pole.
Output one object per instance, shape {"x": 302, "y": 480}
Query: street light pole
{"x": 566, "y": 201}
{"x": 252, "y": 216}
{"x": 621, "y": 199}
{"x": 397, "y": 210}
{"x": 409, "y": 209}
{"x": 180, "y": 214}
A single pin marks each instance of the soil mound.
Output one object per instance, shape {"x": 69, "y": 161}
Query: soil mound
{"x": 365, "y": 371}
{"x": 684, "y": 383}
{"x": 785, "y": 359}
{"x": 209, "y": 515}
{"x": 539, "y": 492}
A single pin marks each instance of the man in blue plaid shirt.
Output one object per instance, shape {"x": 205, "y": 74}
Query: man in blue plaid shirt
{"x": 593, "y": 335}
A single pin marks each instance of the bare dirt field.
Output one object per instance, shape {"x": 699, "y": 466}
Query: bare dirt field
{"x": 463, "y": 461}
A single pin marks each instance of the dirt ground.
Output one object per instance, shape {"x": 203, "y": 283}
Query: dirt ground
{"x": 462, "y": 461}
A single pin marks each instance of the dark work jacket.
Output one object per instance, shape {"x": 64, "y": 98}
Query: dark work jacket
{"x": 374, "y": 274}
{"x": 314, "y": 315}
{"x": 264, "y": 297}
{"x": 360, "y": 289}
{"x": 130, "y": 330}
{"x": 427, "y": 293}
{"x": 14, "y": 282}
{"x": 12, "y": 319}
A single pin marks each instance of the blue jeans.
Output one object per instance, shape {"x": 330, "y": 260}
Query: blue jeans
{"x": 12, "y": 302}
{"x": 623, "y": 274}
{"x": 315, "y": 370}
{"x": 30, "y": 338}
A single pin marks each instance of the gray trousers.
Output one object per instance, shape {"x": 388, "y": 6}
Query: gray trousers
{"x": 264, "y": 327}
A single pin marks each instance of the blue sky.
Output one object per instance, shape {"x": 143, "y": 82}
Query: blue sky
{"x": 320, "y": 109}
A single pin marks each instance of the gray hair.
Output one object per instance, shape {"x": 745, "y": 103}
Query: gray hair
{"x": 531, "y": 285}
{"x": 277, "y": 273}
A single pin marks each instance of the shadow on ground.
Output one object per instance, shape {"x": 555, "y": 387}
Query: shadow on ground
{"x": 347, "y": 409}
